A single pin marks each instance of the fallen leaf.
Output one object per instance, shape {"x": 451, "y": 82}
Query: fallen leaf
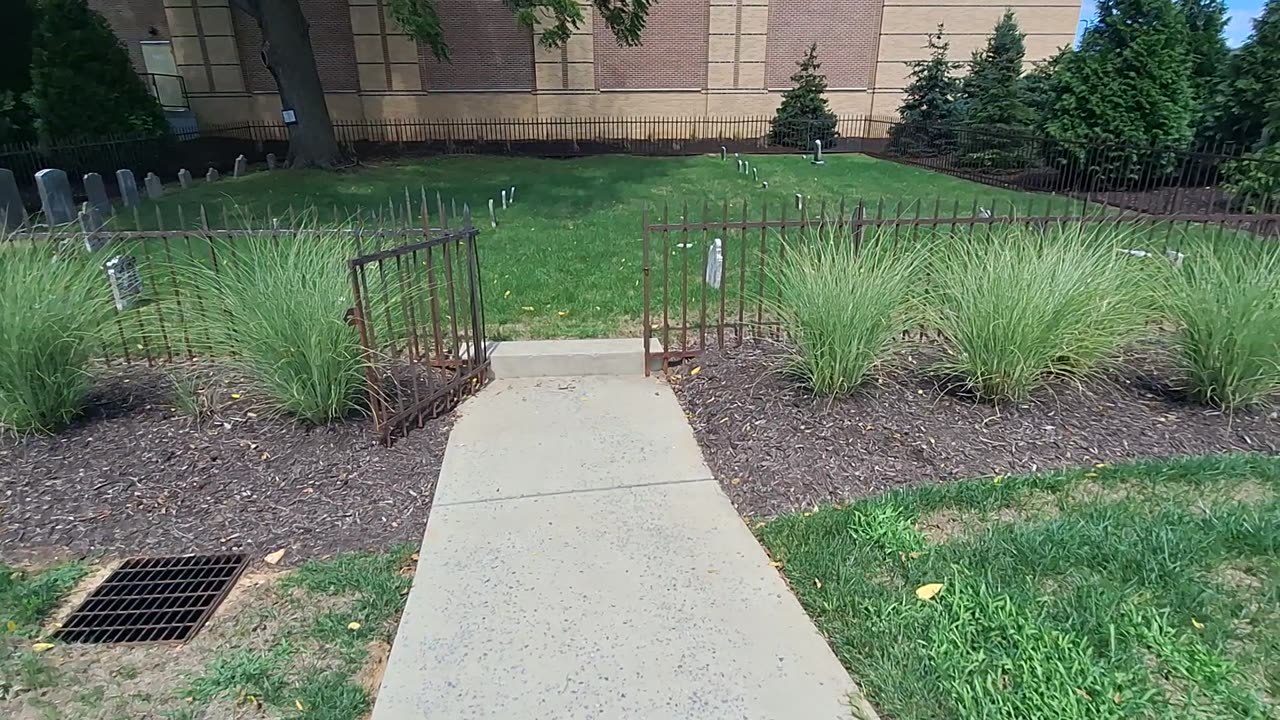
{"x": 11, "y": 626}
{"x": 235, "y": 396}
{"x": 42, "y": 647}
{"x": 695, "y": 371}
{"x": 527, "y": 308}
{"x": 817, "y": 583}
{"x": 1100, "y": 466}
{"x": 1116, "y": 698}
{"x": 298, "y": 704}
{"x": 506, "y": 294}
{"x": 562, "y": 313}
{"x": 736, "y": 481}
{"x": 414, "y": 557}
{"x": 353, "y": 626}
{"x": 914, "y": 554}
{"x": 1197, "y": 624}
{"x": 775, "y": 564}
{"x": 928, "y": 590}
{"x": 275, "y": 557}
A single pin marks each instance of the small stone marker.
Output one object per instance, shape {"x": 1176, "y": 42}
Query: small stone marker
{"x": 128, "y": 188}
{"x": 512, "y": 197}
{"x": 764, "y": 185}
{"x": 724, "y": 152}
{"x": 91, "y": 222}
{"x": 12, "y": 212}
{"x": 799, "y": 201}
{"x": 211, "y": 176}
{"x": 493, "y": 218}
{"x": 96, "y": 190}
{"x": 155, "y": 188}
{"x": 739, "y": 166}
{"x": 55, "y": 196}
{"x": 241, "y": 167}
{"x": 715, "y": 264}
{"x": 126, "y": 283}
{"x": 271, "y": 161}
{"x": 755, "y": 174}
{"x": 184, "y": 178}
{"x": 504, "y": 199}
{"x": 817, "y": 153}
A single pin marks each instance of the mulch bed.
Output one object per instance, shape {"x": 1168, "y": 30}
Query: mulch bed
{"x": 136, "y": 477}
{"x": 777, "y": 449}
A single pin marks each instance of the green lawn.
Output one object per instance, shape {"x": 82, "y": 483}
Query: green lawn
{"x": 1141, "y": 591}
{"x": 566, "y": 259}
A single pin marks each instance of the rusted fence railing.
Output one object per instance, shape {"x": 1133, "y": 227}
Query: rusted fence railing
{"x": 707, "y": 271}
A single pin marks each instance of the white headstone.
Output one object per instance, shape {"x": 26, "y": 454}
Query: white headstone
{"x": 493, "y": 218}
{"x": 799, "y": 201}
{"x": 241, "y": 167}
{"x": 55, "y": 196}
{"x": 511, "y": 196}
{"x": 13, "y": 214}
{"x": 271, "y": 161}
{"x": 724, "y": 152}
{"x": 184, "y": 178}
{"x": 715, "y": 264}
{"x": 817, "y": 153}
{"x": 212, "y": 175}
{"x": 91, "y": 223}
{"x": 504, "y": 199}
{"x": 155, "y": 188}
{"x": 126, "y": 283}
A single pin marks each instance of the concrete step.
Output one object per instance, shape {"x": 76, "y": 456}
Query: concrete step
{"x": 568, "y": 358}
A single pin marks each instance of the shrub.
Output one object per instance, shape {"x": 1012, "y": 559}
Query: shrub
{"x": 274, "y": 311}
{"x": 53, "y": 308}
{"x": 1227, "y": 308}
{"x": 1244, "y": 105}
{"x": 803, "y": 115}
{"x": 1020, "y": 304}
{"x": 1255, "y": 179}
{"x": 842, "y": 306}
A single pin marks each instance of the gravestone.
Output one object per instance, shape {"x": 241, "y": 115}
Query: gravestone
{"x": 271, "y": 161}
{"x": 764, "y": 185}
{"x": 715, "y": 264}
{"x": 755, "y": 174}
{"x": 724, "y": 152}
{"x": 212, "y": 175}
{"x": 155, "y": 188}
{"x": 512, "y": 195}
{"x": 493, "y": 218}
{"x": 96, "y": 190}
{"x": 504, "y": 199}
{"x": 739, "y": 166}
{"x": 799, "y": 201}
{"x": 91, "y": 223}
{"x": 128, "y": 188}
{"x": 241, "y": 168}
{"x": 55, "y": 196}
{"x": 12, "y": 213}
{"x": 126, "y": 283}
{"x": 184, "y": 178}
{"x": 817, "y": 153}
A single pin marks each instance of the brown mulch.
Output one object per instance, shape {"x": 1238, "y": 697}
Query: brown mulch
{"x": 777, "y": 449}
{"x": 136, "y": 477}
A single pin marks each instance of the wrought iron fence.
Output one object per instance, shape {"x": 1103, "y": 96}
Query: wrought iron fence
{"x": 707, "y": 272}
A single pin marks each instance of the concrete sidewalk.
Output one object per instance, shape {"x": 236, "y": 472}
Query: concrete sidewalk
{"x": 580, "y": 562}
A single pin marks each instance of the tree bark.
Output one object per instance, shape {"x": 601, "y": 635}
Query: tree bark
{"x": 286, "y": 50}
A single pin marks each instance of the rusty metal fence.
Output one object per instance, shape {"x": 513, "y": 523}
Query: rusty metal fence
{"x": 707, "y": 272}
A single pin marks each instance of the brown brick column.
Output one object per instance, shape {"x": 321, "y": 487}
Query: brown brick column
{"x": 204, "y": 46}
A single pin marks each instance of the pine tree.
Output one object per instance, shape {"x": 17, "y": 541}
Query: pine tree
{"x": 82, "y": 82}
{"x": 993, "y": 91}
{"x": 1206, "y": 46}
{"x": 1128, "y": 85}
{"x": 804, "y": 115}
{"x": 928, "y": 106}
{"x": 1247, "y": 104}
{"x": 1037, "y": 86}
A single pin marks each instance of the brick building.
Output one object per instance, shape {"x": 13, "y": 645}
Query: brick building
{"x": 699, "y": 57}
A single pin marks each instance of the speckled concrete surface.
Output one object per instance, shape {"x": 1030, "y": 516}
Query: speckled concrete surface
{"x": 619, "y": 584}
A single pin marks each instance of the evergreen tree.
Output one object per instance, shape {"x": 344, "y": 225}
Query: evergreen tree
{"x": 17, "y": 20}
{"x": 928, "y": 106}
{"x": 1037, "y": 87}
{"x": 1248, "y": 100}
{"x": 804, "y": 115}
{"x": 1206, "y": 46}
{"x": 82, "y": 82}
{"x": 993, "y": 90}
{"x": 1128, "y": 85}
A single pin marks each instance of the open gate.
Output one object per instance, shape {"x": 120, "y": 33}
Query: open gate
{"x": 419, "y": 311}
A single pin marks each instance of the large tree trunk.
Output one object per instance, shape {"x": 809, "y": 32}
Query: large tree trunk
{"x": 286, "y": 50}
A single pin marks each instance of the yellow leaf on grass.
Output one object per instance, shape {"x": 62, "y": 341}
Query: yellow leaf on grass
{"x": 817, "y": 583}
{"x": 42, "y": 647}
{"x": 235, "y": 396}
{"x": 562, "y": 313}
{"x": 695, "y": 371}
{"x": 914, "y": 554}
{"x": 298, "y": 704}
{"x": 11, "y": 626}
{"x": 736, "y": 481}
{"x": 1197, "y": 624}
{"x": 527, "y": 308}
{"x": 353, "y": 626}
{"x": 928, "y": 590}
{"x": 506, "y": 294}
{"x": 775, "y": 563}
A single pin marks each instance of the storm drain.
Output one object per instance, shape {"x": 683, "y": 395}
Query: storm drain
{"x": 157, "y": 599}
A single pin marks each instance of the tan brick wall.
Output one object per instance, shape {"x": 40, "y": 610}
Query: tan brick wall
{"x": 331, "y": 38}
{"x": 488, "y": 50}
{"x": 134, "y": 22}
{"x": 846, "y": 32}
{"x": 673, "y": 53}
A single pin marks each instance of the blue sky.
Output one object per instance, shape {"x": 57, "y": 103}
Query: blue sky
{"x": 1240, "y": 12}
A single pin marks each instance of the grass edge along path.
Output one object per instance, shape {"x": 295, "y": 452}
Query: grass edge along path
{"x": 1141, "y": 590}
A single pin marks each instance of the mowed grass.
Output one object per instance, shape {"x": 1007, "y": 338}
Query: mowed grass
{"x": 566, "y": 258}
{"x": 1149, "y": 590}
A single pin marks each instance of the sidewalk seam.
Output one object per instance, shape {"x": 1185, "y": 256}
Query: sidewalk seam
{"x": 532, "y": 496}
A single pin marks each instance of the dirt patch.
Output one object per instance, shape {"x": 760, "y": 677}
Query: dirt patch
{"x": 1251, "y": 493}
{"x": 137, "y": 477}
{"x": 1232, "y": 576}
{"x": 1094, "y": 492}
{"x": 370, "y": 676}
{"x": 792, "y": 451}
{"x": 944, "y": 525}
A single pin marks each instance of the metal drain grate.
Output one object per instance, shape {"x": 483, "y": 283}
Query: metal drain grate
{"x": 154, "y": 600}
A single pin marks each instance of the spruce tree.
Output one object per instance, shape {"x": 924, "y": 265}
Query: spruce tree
{"x": 82, "y": 82}
{"x": 928, "y": 106}
{"x": 804, "y": 115}
{"x": 1206, "y": 45}
{"x": 993, "y": 90}
{"x": 1248, "y": 100}
{"x": 1128, "y": 85}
